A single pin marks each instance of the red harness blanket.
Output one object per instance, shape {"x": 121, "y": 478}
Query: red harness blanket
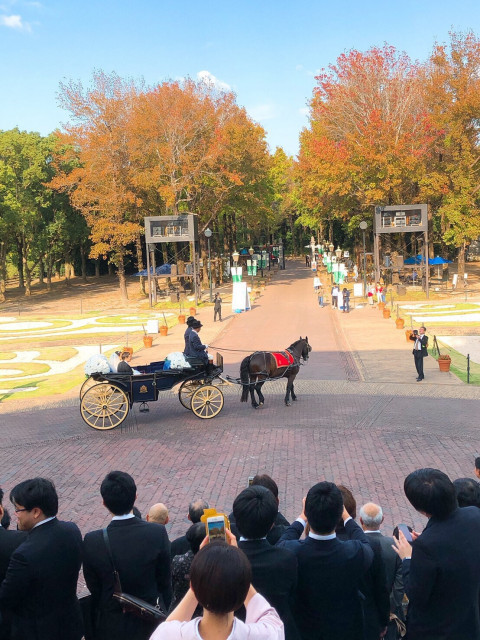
{"x": 283, "y": 358}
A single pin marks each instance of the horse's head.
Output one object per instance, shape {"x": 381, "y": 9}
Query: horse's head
{"x": 305, "y": 347}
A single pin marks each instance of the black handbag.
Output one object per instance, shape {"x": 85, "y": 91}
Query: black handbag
{"x": 131, "y": 604}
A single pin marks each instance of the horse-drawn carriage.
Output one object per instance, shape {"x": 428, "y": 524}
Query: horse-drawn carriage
{"x": 106, "y": 398}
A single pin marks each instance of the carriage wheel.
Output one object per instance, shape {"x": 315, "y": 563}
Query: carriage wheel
{"x": 207, "y": 402}
{"x": 186, "y": 391}
{"x": 104, "y": 406}
{"x": 89, "y": 382}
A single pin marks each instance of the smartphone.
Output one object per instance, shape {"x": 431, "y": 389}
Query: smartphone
{"x": 250, "y": 480}
{"x": 216, "y": 528}
{"x": 406, "y": 532}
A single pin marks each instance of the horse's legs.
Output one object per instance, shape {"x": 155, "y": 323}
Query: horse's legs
{"x": 258, "y": 389}
{"x": 294, "y": 397}
{"x": 252, "y": 394}
{"x": 287, "y": 394}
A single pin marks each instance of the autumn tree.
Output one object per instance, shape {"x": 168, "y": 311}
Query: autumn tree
{"x": 100, "y": 184}
{"x": 453, "y": 95}
{"x": 368, "y": 137}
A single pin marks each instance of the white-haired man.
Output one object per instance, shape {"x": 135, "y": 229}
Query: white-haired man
{"x": 371, "y": 519}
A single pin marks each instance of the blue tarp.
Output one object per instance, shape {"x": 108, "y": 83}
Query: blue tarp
{"x": 164, "y": 269}
{"x": 411, "y": 260}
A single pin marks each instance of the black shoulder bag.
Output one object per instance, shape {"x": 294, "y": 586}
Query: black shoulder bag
{"x": 131, "y": 604}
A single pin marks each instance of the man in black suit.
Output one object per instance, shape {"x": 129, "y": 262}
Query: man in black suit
{"x": 141, "y": 554}
{"x": 420, "y": 351}
{"x": 441, "y": 568}
{"x": 390, "y": 598}
{"x": 40, "y": 586}
{"x": 9, "y": 541}
{"x": 281, "y": 523}
{"x": 330, "y": 571}
{"x": 181, "y": 545}
{"x": 195, "y": 347}
{"x": 468, "y": 492}
{"x": 274, "y": 570}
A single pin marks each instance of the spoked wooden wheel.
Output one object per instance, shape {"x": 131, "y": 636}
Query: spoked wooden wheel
{"x": 104, "y": 406}
{"x": 207, "y": 401}
{"x": 186, "y": 391}
{"x": 89, "y": 382}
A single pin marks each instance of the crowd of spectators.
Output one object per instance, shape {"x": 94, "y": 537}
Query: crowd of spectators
{"x": 324, "y": 576}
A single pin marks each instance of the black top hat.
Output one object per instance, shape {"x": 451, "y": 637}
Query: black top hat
{"x": 196, "y": 324}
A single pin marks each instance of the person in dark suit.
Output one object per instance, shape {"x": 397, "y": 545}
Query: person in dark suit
{"x": 389, "y": 599}
{"x": 195, "y": 347}
{"x": 188, "y": 331}
{"x": 274, "y": 570}
{"x": 281, "y": 523}
{"x": 40, "y": 585}
{"x": 441, "y": 568}
{"x": 181, "y": 545}
{"x": 467, "y": 491}
{"x": 141, "y": 554}
{"x": 330, "y": 571}
{"x": 9, "y": 541}
{"x": 420, "y": 351}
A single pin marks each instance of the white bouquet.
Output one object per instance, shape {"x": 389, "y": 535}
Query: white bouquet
{"x": 97, "y": 363}
{"x": 178, "y": 361}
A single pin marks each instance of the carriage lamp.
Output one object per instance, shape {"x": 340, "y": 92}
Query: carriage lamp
{"x": 331, "y": 247}
{"x": 338, "y": 253}
{"x": 235, "y": 256}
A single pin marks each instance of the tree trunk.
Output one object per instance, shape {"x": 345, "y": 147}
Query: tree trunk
{"x": 461, "y": 267}
{"x": 21, "y": 277}
{"x": 121, "y": 277}
{"x": 3, "y": 270}
{"x": 292, "y": 230}
{"x": 41, "y": 271}
{"x": 97, "y": 268}
{"x": 140, "y": 267}
{"x": 83, "y": 259}
{"x": 69, "y": 272}
{"x": 57, "y": 271}
{"x": 111, "y": 269}
{"x": 49, "y": 275}
{"x": 28, "y": 278}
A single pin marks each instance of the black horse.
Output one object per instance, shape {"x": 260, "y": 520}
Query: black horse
{"x": 262, "y": 365}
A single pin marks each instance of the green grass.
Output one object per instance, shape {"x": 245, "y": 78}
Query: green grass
{"x": 26, "y": 368}
{"x": 7, "y": 355}
{"x": 53, "y": 324}
{"x": 458, "y": 364}
{"x": 59, "y": 354}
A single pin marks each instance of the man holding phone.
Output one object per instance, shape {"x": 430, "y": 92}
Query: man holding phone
{"x": 441, "y": 566}
{"x": 419, "y": 350}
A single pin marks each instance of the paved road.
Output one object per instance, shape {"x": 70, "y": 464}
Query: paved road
{"x": 360, "y": 419}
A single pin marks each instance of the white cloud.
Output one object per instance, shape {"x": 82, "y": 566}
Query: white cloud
{"x": 209, "y": 78}
{"x": 299, "y": 67}
{"x": 304, "y": 111}
{"x": 14, "y": 22}
{"x": 262, "y": 112}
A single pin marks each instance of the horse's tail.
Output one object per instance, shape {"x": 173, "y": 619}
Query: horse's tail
{"x": 245, "y": 378}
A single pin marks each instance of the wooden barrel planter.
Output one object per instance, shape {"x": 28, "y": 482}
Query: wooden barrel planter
{"x": 381, "y": 306}
{"x": 163, "y": 330}
{"x": 386, "y": 313}
{"x": 147, "y": 341}
{"x": 399, "y": 323}
{"x": 129, "y": 349}
{"x": 181, "y": 319}
{"x": 408, "y": 333}
{"x": 444, "y": 363}
{"x": 193, "y": 311}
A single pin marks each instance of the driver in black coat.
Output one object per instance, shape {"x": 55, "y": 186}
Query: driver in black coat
{"x": 195, "y": 347}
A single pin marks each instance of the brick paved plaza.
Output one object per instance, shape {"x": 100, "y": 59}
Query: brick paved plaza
{"x": 361, "y": 419}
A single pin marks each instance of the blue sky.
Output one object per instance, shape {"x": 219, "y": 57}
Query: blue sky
{"x": 266, "y": 51}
